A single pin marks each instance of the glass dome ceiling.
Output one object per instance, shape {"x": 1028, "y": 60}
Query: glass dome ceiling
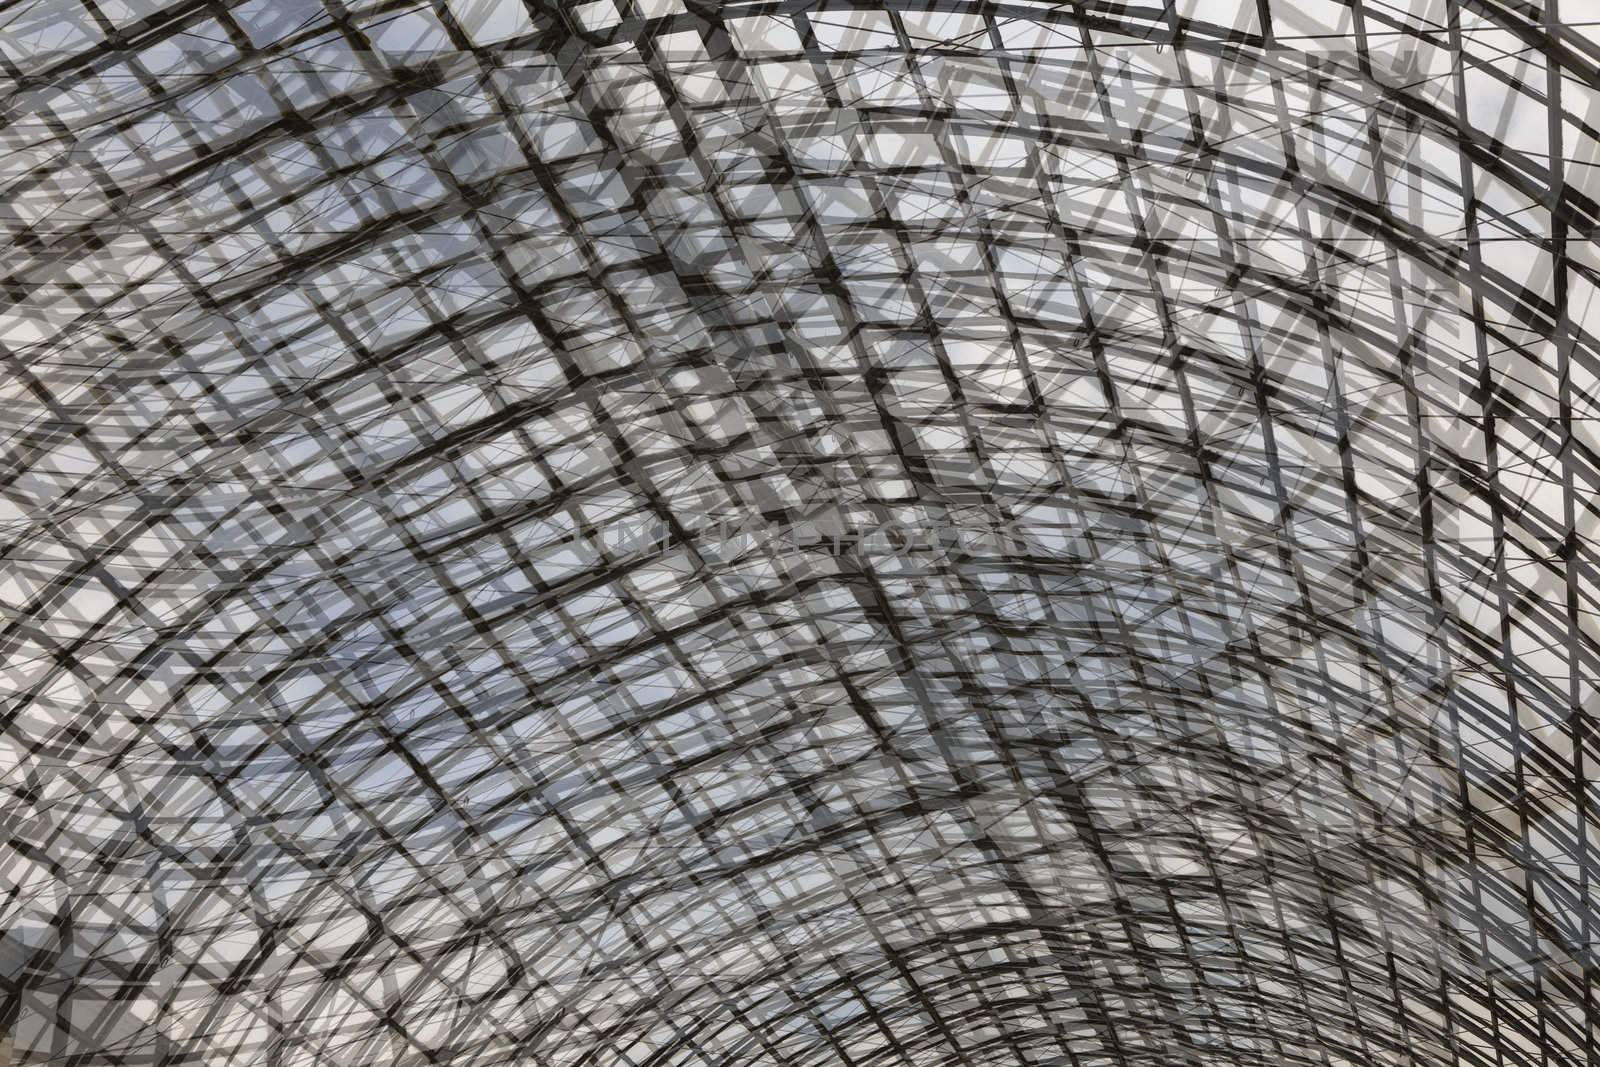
{"x": 657, "y": 533}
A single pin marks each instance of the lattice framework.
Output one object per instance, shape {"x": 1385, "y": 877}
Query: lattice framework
{"x": 670, "y": 533}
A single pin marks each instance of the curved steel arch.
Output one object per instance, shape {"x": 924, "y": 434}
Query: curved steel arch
{"x": 672, "y": 533}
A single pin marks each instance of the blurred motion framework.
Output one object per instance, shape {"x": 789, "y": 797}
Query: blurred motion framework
{"x": 668, "y": 533}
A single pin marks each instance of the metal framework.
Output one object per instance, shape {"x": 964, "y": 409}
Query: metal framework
{"x": 659, "y": 533}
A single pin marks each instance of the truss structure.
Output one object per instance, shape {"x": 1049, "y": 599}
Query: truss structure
{"x": 660, "y": 533}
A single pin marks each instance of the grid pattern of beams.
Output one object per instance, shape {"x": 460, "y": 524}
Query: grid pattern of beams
{"x": 683, "y": 534}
